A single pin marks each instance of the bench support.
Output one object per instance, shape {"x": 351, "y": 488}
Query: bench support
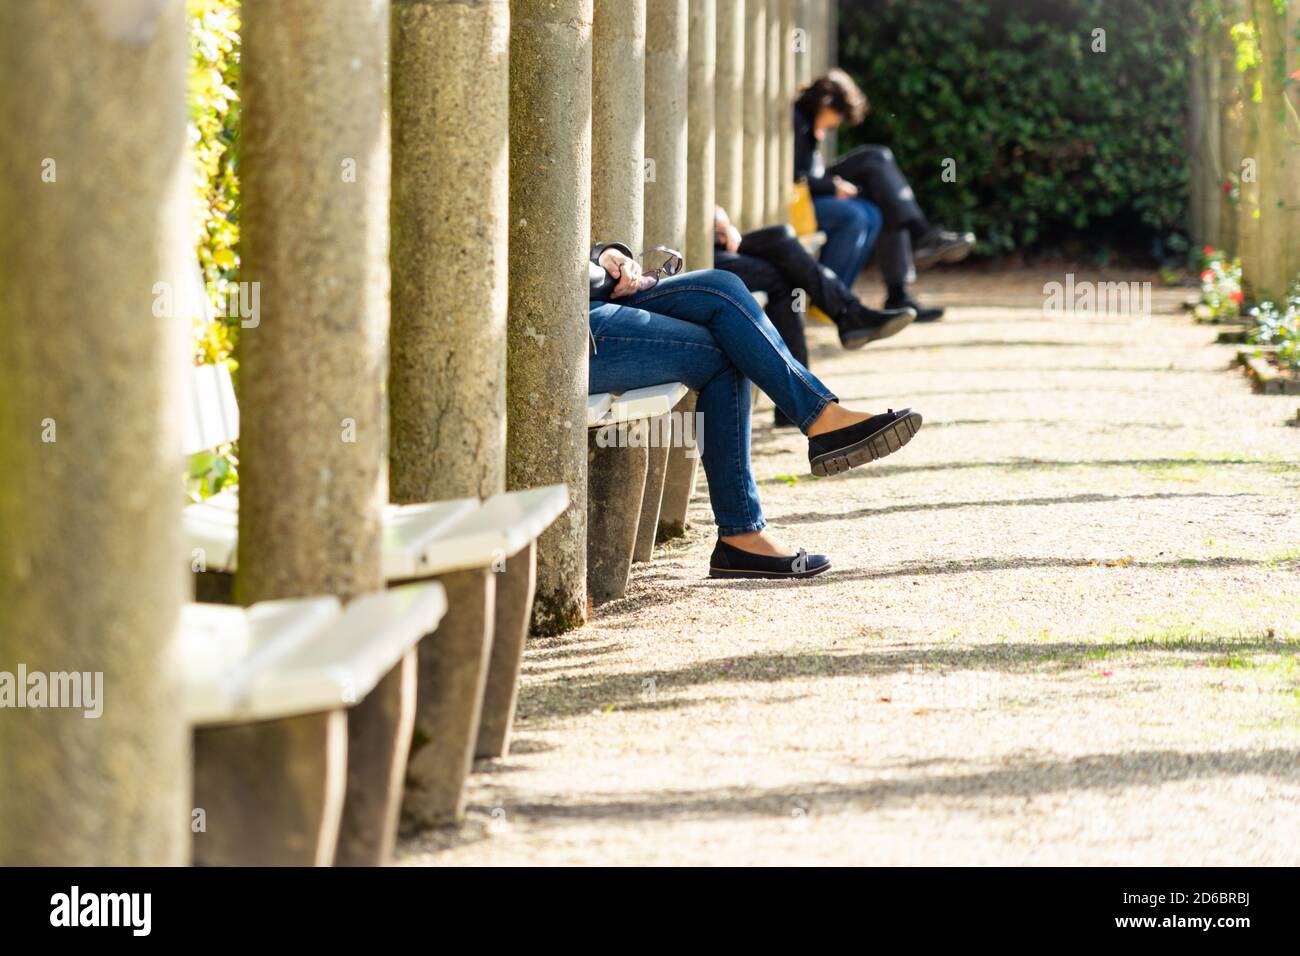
{"x": 652, "y": 500}
{"x": 379, "y": 738}
{"x": 616, "y": 479}
{"x": 515, "y": 586}
{"x": 271, "y": 792}
{"x": 452, "y": 676}
{"x": 680, "y": 474}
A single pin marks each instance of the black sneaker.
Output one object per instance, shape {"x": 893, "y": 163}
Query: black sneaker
{"x": 732, "y": 562}
{"x": 923, "y": 314}
{"x": 942, "y": 245}
{"x": 861, "y": 325}
{"x": 878, "y": 436}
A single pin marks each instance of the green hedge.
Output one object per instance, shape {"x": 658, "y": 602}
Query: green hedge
{"x": 1056, "y": 146}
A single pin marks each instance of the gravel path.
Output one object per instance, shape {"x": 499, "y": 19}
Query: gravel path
{"x": 1063, "y": 627}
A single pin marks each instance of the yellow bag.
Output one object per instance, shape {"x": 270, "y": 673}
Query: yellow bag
{"x": 803, "y": 217}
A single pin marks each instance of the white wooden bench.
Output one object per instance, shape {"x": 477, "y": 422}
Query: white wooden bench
{"x": 628, "y": 443}
{"x": 483, "y": 552}
{"x": 267, "y": 689}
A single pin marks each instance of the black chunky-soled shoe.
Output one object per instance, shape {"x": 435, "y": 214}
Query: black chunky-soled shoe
{"x": 880, "y": 435}
{"x": 942, "y": 245}
{"x": 923, "y": 313}
{"x": 732, "y": 562}
{"x": 861, "y": 325}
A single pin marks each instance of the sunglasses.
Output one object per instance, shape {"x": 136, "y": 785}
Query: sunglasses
{"x": 669, "y": 263}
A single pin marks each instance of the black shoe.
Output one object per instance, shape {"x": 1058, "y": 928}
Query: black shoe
{"x": 878, "y": 436}
{"x": 922, "y": 314}
{"x": 731, "y": 562}
{"x": 941, "y": 245}
{"x": 861, "y": 325}
{"x": 781, "y": 420}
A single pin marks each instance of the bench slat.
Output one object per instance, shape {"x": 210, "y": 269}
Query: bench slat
{"x": 640, "y": 403}
{"x": 283, "y": 658}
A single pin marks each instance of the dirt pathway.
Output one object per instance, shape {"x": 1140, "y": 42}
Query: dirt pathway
{"x": 1063, "y": 627}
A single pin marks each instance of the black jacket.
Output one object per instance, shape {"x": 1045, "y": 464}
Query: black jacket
{"x": 808, "y": 158}
{"x": 601, "y": 283}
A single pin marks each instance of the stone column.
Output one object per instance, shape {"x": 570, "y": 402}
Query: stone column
{"x": 550, "y": 236}
{"x": 313, "y": 445}
{"x": 447, "y": 381}
{"x": 785, "y": 106}
{"x": 701, "y": 146}
{"x": 95, "y": 237}
{"x": 803, "y": 56}
{"x": 451, "y": 127}
{"x": 754, "y": 206}
{"x": 618, "y": 131}
{"x": 818, "y": 31}
{"x": 666, "y": 68}
{"x": 729, "y": 174}
{"x": 772, "y": 171}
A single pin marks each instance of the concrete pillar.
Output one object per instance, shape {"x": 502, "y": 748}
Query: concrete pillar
{"x": 96, "y": 192}
{"x": 773, "y": 174}
{"x": 656, "y": 475}
{"x": 701, "y": 145}
{"x": 1230, "y": 140}
{"x": 447, "y": 379}
{"x": 754, "y": 206}
{"x": 618, "y": 470}
{"x": 681, "y": 471}
{"x": 314, "y": 235}
{"x": 1203, "y": 138}
{"x": 550, "y": 240}
{"x": 452, "y": 686}
{"x": 1292, "y": 68}
{"x": 803, "y": 54}
{"x": 618, "y": 133}
{"x": 667, "y": 33}
{"x": 785, "y": 106}
{"x": 818, "y": 26}
{"x": 729, "y": 173}
{"x": 451, "y": 125}
{"x": 515, "y": 586}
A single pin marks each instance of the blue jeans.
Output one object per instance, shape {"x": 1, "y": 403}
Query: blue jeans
{"x": 705, "y": 330}
{"x": 851, "y": 227}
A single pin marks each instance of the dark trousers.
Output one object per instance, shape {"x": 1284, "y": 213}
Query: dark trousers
{"x": 772, "y": 260}
{"x": 875, "y": 172}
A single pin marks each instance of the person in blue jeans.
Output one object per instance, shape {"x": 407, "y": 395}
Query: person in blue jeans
{"x": 704, "y": 329}
{"x": 864, "y": 197}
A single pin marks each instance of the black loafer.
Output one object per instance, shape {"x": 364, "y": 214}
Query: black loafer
{"x": 731, "y": 562}
{"x": 923, "y": 314}
{"x": 868, "y": 325}
{"x": 878, "y": 436}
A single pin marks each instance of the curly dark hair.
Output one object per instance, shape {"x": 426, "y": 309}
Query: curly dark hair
{"x": 837, "y": 91}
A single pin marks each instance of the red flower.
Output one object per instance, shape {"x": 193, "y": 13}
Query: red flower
{"x": 1227, "y": 188}
{"x": 1207, "y": 276}
{"x": 1208, "y": 250}
{"x": 1236, "y": 297}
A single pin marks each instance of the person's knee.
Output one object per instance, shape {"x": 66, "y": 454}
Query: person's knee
{"x": 871, "y": 215}
{"x": 726, "y": 283}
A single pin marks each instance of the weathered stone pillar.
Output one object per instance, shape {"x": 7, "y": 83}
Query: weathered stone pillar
{"x": 785, "y": 106}
{"x": 618, "y": 133}
{"x": 701, "y": 146}
{"x": 451, "y": 125}
{"x": 818, "y": 26}
{"x": 667, "y": 33}
{"x": 754, "y": 207}
{"x": 1231, "y": 131}
{"x": 772, "y": 169}
{"x": 447, "y": 382}
{"x": 550, "y": 234}
{"x": 314, "y": 233}
{"x": 1203, "y": 138}
{"x": 729, "y": 174}
{"x": 803, "y": 56}
{"x": 95, "y": 188}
